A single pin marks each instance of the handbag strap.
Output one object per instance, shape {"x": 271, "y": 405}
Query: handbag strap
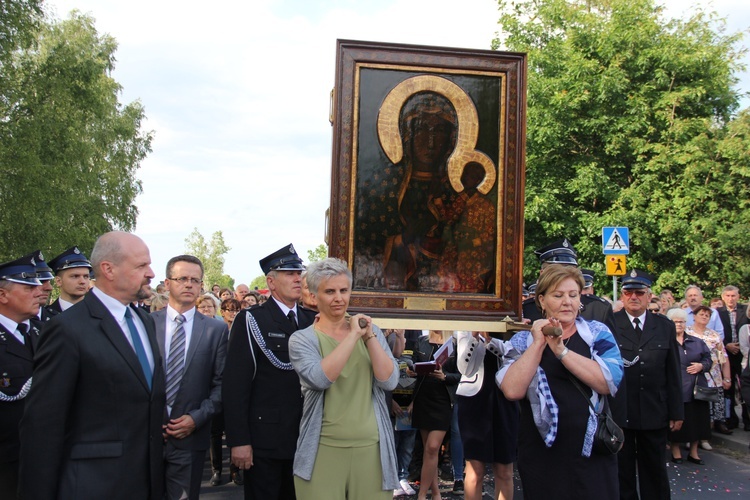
{"x": 580, "y": 389}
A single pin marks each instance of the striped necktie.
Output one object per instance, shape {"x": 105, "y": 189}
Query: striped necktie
{"x": 176, "y": 363}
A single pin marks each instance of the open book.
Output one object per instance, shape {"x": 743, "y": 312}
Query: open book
{"x": 438, "y": 359}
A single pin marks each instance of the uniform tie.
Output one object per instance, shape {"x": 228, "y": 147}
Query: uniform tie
{"x": 176, "y": 363}
{"x": 23, "y": 329}
{"x": 292, "y": 318}
{"x": 140, "y": 351}
{"x": 637, "y": 326}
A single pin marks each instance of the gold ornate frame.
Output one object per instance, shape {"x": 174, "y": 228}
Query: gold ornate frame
{"x": 487, "y": 91}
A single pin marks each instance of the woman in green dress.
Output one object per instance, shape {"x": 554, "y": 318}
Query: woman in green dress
{"x": 345, "y": 448}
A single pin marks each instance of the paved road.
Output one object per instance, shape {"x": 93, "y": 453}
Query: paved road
{"x": 725, "y": 475}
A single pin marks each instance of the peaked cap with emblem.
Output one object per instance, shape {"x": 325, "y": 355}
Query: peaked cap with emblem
{"x": 43, "y": 271}
{"x": 636, "y": 279}
{"x": 70, "y": 258}
{"x": 559, "y": 252}
{"x": 21, "y": 271}
{"x": 588, "y": 277}
{"x": 283, "y": 259}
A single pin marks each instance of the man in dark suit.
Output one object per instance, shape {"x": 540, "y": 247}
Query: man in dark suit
{"x": 71, "y": 270}
{"x": 92, "y": 424}
{"x": 20, "y": 291}
{"x": 261, "y": 394}
{"x": 653, "y": 390}
{"x": 194, "y": 349}
{"x": 733, "y": 316}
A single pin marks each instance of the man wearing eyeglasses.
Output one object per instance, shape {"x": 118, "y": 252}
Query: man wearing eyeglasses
{"x": 194, "y": 349}
{"x": 651, "y": 392}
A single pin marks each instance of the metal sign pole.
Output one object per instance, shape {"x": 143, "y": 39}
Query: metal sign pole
{"x": 614, "y": 288}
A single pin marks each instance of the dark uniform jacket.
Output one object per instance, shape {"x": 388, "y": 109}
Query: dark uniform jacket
{"x": 52, "y": 310}
{"x": 92, "y": 427}
{"x": 16, "y": 365}
{"x": 652, "y": 389}
{"x": 262, "y": 403}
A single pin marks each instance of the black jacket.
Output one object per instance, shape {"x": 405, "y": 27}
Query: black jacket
{"x": 652, "y": 382}
{"x": 262, "y": 403}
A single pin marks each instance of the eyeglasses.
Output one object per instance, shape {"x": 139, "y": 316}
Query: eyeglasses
{"x": 230, "y": 310}
{"x": 184, "y": 280}
{"x": 206, "y": 307}
{"x": 639, "y": 293}
{"x": 654, "y": 309}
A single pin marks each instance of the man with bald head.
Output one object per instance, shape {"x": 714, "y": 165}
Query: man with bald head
{"x": 92, "y": 423}
{"x": 241, "y": 291}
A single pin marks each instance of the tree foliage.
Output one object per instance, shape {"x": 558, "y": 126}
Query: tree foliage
{"x": 69, "y": 150}
{"x": 211, "y": 253}
{"x": 630, "y": 124}
{"x": 319, "y": 253}
{"x": 259, "y": 282}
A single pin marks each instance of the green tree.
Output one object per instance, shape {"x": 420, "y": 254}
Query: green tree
{"x": 211, "y": 253}
{"x": 319, "y": 253}
{"x": 19, "y": 21}
{"x": 626, "y": 111}
{"x": 259, "y": 282}
{"x": 69, "y": 150}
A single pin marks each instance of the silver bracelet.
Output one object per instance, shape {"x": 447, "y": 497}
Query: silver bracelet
{"x": 563, "y": 353}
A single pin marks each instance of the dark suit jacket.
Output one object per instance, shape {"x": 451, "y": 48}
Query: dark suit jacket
{"x": 53, "y": 309}
{"x": 653, "y": 383}
{"x": 200, "y": 389}
{"x": 92, "y": 427}
{"x": 262, "y": 403}
{"x": 16, "y": 364}
{"x": 727, "y": 323}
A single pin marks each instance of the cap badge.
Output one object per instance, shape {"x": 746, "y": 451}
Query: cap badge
{"x": 291, "y": 249}
{"x": 33, "y": 263}
{"x": 565, "y": 243}
{"x": 76, "y": 251}
{"x": 41, "y": 256}
{"x": 633, "y": 274}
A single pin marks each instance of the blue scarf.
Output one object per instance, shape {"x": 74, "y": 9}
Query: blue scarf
{"x": 545, "y": 411}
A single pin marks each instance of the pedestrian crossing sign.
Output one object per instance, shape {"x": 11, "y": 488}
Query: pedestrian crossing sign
{"x": 615, "y": 265}
{"x": 615, "y": 241}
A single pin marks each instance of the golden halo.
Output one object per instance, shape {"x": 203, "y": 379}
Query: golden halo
{"x": 468, "y": 127}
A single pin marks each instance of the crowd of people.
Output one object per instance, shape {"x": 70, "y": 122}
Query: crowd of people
{"x": 119, "y": 391}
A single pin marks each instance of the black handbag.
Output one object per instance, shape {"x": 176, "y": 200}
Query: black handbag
{"x": 710, "y": 394}
{"x": 609, "y": 437}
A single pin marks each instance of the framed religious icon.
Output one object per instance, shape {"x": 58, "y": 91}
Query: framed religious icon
{"x": 428, "y": 183}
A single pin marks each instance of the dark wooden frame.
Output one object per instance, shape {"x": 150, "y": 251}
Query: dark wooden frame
{"x": 433, "y": 309}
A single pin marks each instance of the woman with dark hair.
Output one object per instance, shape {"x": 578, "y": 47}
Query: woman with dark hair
{"x": 225, "y": 294}
{"x": 557, "y": 370}
{"x": 428, "y": 125}
{"x": 695, "y": 359}
{"x": 345, "y": 448}
{"x": 229, "y": 310}
{"x": 719, "y": 374}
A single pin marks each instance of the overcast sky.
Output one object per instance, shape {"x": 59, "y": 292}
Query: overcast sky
{"x": 237, "y": 94}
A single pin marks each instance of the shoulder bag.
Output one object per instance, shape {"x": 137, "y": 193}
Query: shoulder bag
{"x": 609, "y": 437}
